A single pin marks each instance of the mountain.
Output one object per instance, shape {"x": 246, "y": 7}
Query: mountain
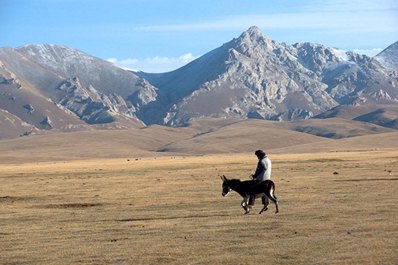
{"x": 255, "y": 77}
{"x": 46, "y": 84}
{"x": 46, "y": 88}
{"x": 24, "y": 110}
{"x": 389, "y": 56}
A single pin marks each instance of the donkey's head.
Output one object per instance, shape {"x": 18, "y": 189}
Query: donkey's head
{"x": 225, "y": 186}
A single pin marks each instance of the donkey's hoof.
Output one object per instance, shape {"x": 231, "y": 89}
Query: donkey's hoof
{"x": 263, "y": 210}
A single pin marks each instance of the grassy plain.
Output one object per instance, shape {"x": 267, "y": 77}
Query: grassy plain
{"x": 335, "y": 208}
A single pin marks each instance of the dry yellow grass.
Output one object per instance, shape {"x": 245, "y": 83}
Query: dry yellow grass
{"x": 169, "y": 210}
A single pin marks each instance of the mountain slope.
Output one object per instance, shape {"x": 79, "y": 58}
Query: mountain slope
{"x": 94, "y": 90}
{"x": 12, "y": 126}
{"x": 336, "y": 128}
{"x": 383, "y": 115}
{"x": 255, "y": 77}
{"x": 389, "y": 56}
{"x": 29, "y": 111}
{"x": 387, "y": 117}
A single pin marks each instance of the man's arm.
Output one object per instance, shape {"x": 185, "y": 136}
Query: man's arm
{"x": 259, "y": 169}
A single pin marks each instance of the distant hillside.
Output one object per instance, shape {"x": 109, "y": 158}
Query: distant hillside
{"x": 383, "y": 115}
{"x": 387, "y": 117}
{"x": 232, "y": 138}
{"x": 336, "y": 128}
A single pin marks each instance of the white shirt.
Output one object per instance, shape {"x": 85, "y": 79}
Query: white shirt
{"x": 263, "y": 170}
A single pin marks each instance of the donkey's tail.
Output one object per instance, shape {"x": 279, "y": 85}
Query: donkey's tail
{"x": 273, "y": 197}
{"x": 272, "y": 190}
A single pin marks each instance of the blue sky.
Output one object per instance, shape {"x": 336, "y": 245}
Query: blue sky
{"x": 162, "y": 35}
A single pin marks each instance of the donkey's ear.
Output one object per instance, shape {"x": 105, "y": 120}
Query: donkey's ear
{"x": 224, "y": 177}
{"x": 221, "y": 177}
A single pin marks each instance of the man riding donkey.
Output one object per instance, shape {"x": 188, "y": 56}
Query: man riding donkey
{"x": 260, "y": 186}
{"x": 262, "y": 173}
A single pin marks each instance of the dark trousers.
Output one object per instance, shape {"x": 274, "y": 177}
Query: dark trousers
{"x": 253, "y": 190}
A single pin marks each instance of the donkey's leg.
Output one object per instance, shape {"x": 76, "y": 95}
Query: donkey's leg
{"x": 275, "y": 201}
{"x": 273, "y": 198}
{"x": 265, "y": 201}
{"x": 245, "y": 206}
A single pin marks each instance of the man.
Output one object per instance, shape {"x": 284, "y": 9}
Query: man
{"x": 263, "y": 172}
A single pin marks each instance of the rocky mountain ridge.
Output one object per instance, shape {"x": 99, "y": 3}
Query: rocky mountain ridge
{"x": 53, "y": 87}
{"x": 255, "y": 77}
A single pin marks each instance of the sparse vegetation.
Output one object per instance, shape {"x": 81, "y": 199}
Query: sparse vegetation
{"x": 169, "y": 210}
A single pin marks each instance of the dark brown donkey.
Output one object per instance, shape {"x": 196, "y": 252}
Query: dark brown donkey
{"x": 265, "y": 189}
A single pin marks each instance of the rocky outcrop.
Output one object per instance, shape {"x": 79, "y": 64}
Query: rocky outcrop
{"x": 46, "y": 123}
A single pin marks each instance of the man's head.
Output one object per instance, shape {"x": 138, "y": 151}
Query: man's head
{"x": 260, "y": 154}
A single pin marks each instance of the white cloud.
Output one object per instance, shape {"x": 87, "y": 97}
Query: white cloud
{"x": 368, "y": 52}
{"x": 156, "y": 64}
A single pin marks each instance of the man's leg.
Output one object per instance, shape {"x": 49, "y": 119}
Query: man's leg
{"x": 251, "y": 200}
{"x": 253, "y": 188}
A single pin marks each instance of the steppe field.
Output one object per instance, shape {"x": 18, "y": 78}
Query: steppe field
{"x": 335, "y": 208}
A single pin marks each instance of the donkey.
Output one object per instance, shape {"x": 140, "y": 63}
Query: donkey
{"x": 265, "y": 190}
